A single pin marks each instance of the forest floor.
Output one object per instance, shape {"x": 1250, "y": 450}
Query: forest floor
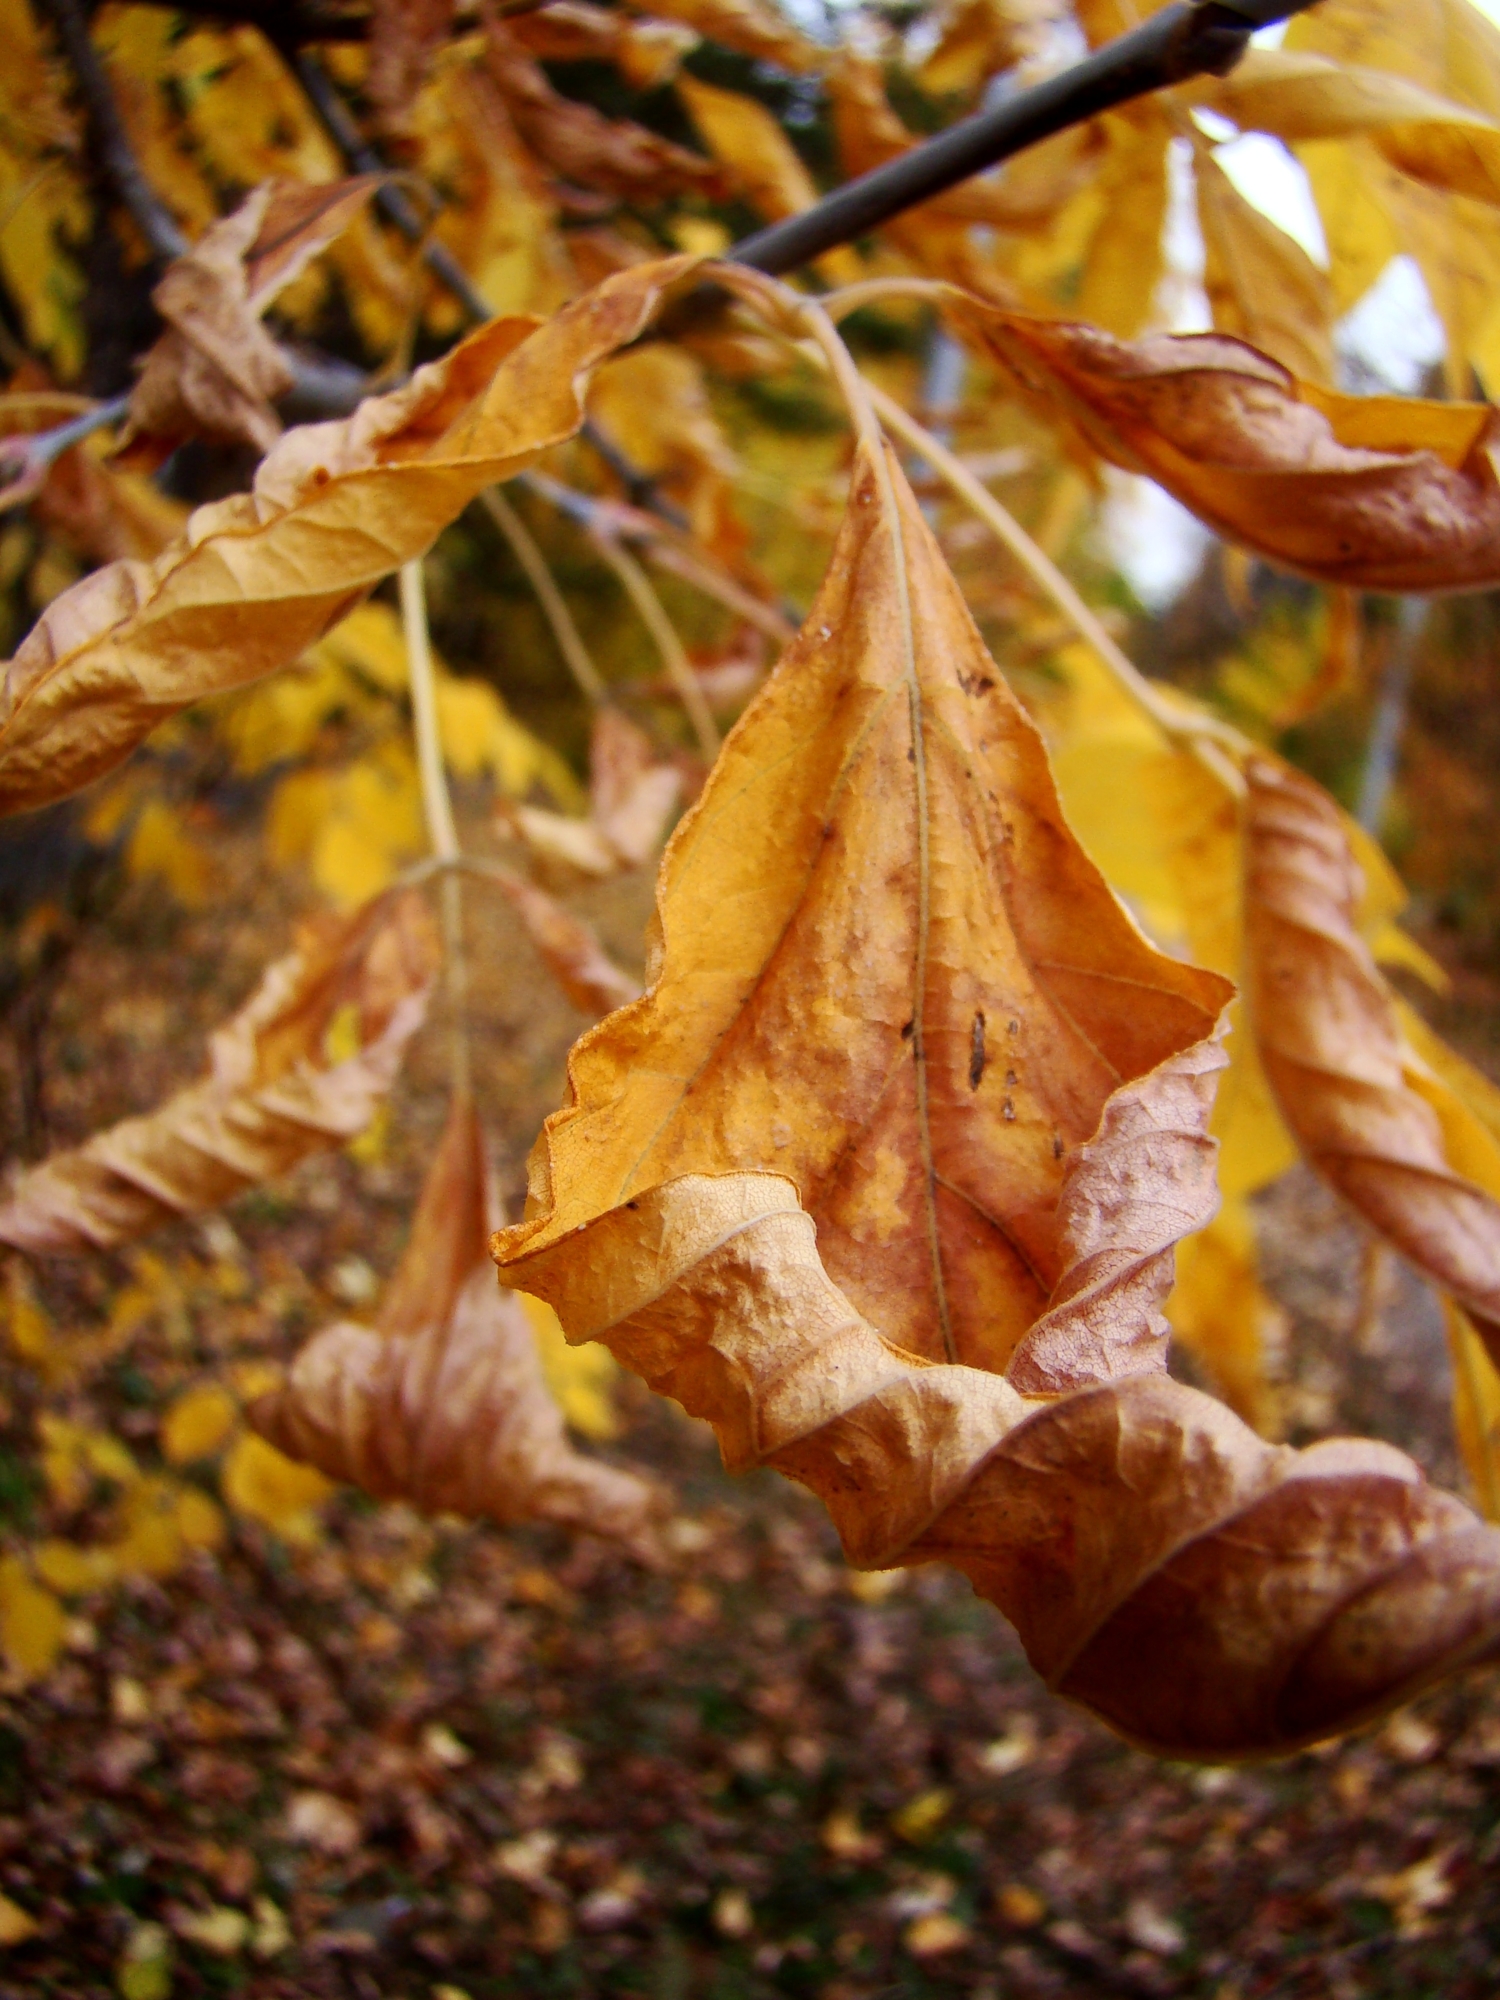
{"x": 419, "y": 1759}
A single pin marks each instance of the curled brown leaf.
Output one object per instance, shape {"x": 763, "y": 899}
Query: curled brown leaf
{"x": 215, "y": 372}
{"x": 257, "y": 578}
{"x": 272, "y": 1096}
{"x": 1378, "y": 492}
{"x": 442, "y": 1401}
{"x": 882, "y": 1178}
{"x": 1331, "y": 1044}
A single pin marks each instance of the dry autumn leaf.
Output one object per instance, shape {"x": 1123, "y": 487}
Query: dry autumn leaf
{"x": 215, "y": 372}
{"x": 568, "y": 947}
{"x": 582, "y": 146}
{"x": 1382, "y": 493}
{"x": 1330, "y": 1042}
{"x": 335, "y": 507}
{"x": 631, "y": 798}
{"x": 886, "y": 1015}
{"x": 442, "y": 1401}
{"x": 271, "y": 1097}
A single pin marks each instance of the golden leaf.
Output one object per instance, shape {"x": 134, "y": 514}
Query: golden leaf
{"x": 930, "y": 1111}
{"x": 267, "y": 1486}
{"x": 335, "y": 507}
{"x": 873, "y": 912}
{"x": 269, "y": 1098}
{"x": 1301, "y": 96}
{"x": 1261, "y": 284}
{"x": 32, "y": 1622}
{"x": 197, "y": 1423}
{"x": 1380, "y": 492}
{"x": 647, "y": 53}
{"x": 443, "y": 1402}
{"x": 759, "y": 159}
{"x": 756, "y": 28}
{"x": 1330, "y": 1042}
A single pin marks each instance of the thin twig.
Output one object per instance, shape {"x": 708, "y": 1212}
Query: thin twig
{"x": 437, "y": 807}
{"x": 393, "y": 201}
{"x": 642, "y": 593}
{"x": 667, "y": 547}
{"x": 111, "y": 144}
{"x": 27, "y": 457}
{"x": 1186, "y": 39}
{"x": 569, "y": 639}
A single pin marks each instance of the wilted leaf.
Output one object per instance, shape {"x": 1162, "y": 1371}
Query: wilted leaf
{"x": 1202, "y": 1591}
{"x": 271, "y": 1097}
{"x": 751, "y": 27}
{"x": 579, "y": 144}
{"x": 842, "y": 997}
{"x": 1331, "y": 1044}
{"x": 335, "y": 507}
{"x": 404, "y": 34}
{"x": 442, "y": 1402}
{"x": 568, "y": 947}
{"x": 647, "y": 53}
{"x": 1383, "y": 493}
{"x": 631, "y": 798}
{"x": 216, "y": 372}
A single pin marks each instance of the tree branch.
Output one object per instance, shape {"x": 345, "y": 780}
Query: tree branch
{"x": 112, "y": 148}
{"x": 1188, "y": 38}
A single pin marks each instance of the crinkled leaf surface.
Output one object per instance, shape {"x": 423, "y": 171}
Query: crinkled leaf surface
{"x": 255, "y": 579}
{"x": 1382, "y": 493}
{"x": 806, "y": 1165}
{"x": 272, "y": 1095}
{"x": 1330, "y": 1041}
{"x": 443, "y": 1400}
{"x": 891, "y": 973}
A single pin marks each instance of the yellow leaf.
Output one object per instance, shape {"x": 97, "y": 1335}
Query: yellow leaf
{"x": 1261, "y": 284}
{"x": 28, "y": 1323}
{"x": 198, "y": 1423}
{"x": 73, "y": 1570}
{"x": 32, "y": 1622}
{"x": 149, "y": 1542}
{"x": 921, "y": 1817}
{"x": 1221, "y": 1314}
{"x": 15, "y": 1924}
{"x": 581, "y": 1378}
{"x": 261, "y": 1482}
{"x": 144, "y": 1969}
{"x": 160, "y": 846}
{"x": 74, "y": 1455}
{"x": 1476, "y": 1408}
{"x": 200, "y": 1522}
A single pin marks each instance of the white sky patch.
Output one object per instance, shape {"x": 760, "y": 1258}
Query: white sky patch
{"x": 1156, "y": 544}
{"x": 1393, "y": 335}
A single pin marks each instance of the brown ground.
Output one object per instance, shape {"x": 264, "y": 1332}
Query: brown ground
{"x": 458, "y": 1761}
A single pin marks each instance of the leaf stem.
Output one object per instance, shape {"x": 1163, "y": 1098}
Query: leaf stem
{"x": 524, "y": 548}
{"x": 437, "y": 807}
{"x": 1217, "y": 742}
{"x": 642, "y": 594}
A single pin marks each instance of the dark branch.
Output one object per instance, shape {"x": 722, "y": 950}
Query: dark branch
{"x": 1189, "y": 38}
{"x": 393, "y": 202}
{"x": 111, "y": 144}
